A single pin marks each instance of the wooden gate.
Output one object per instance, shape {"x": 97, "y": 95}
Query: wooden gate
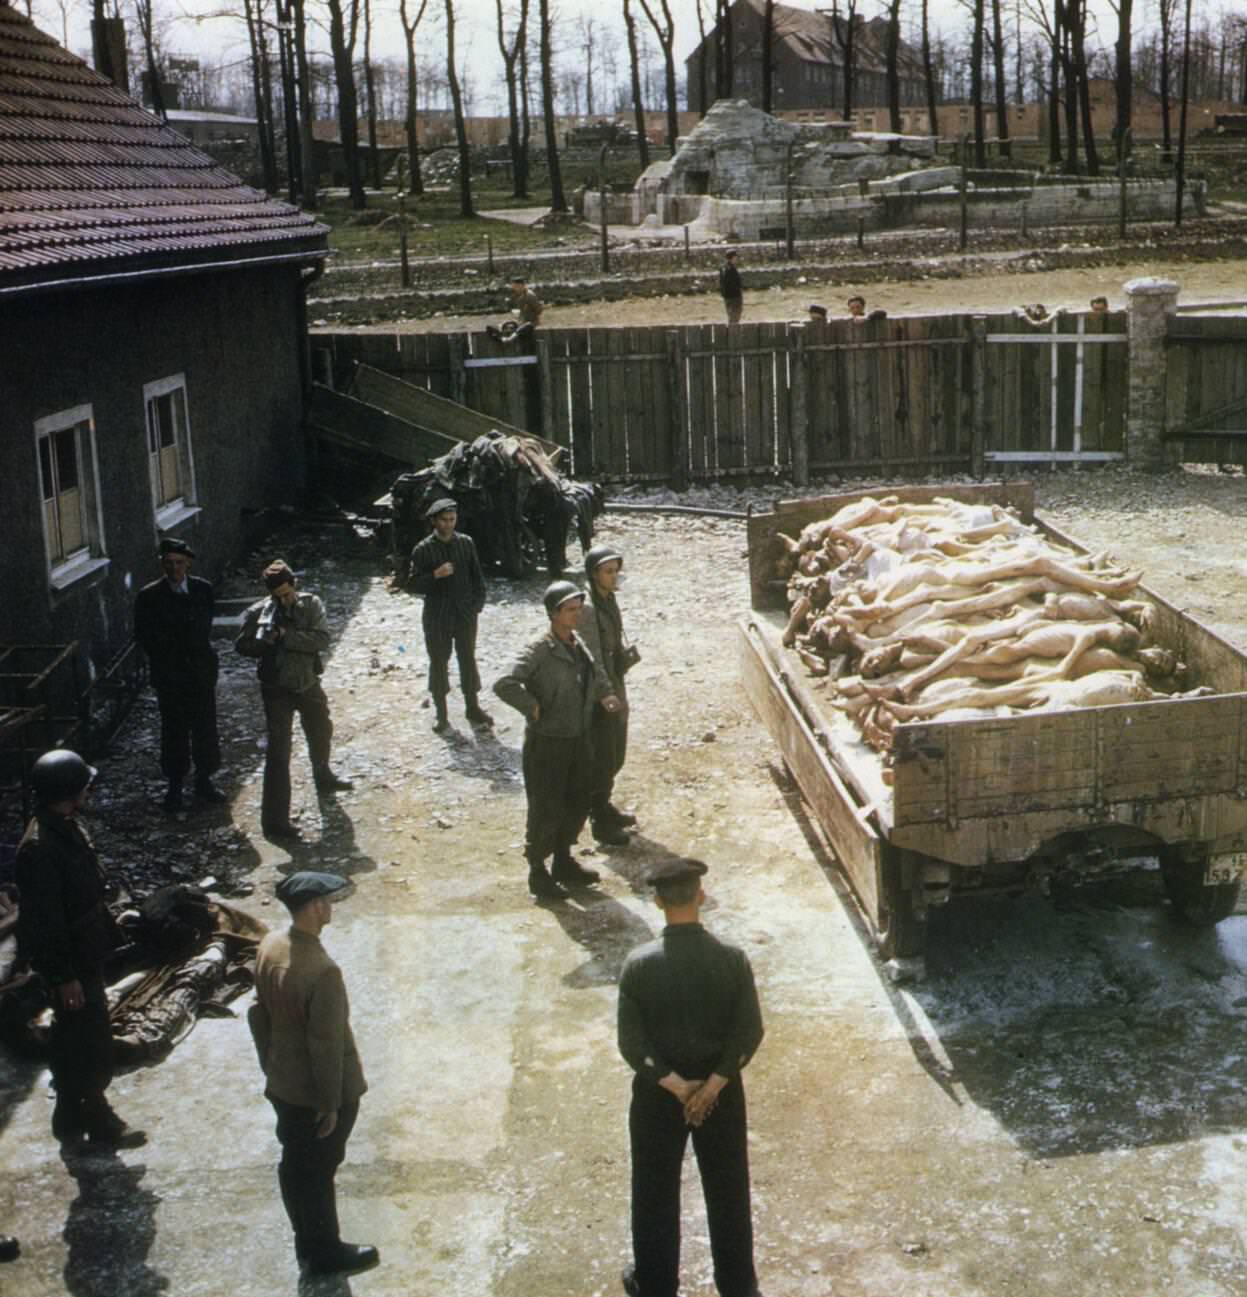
{"x": 1206, "y": 388}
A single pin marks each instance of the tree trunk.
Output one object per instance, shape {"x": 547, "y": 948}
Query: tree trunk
{"x": 558, "y": 203}
{"x": 998, "y": 62}
{"x": 768, "y": 67}
{"x": 976, "y": 84}
{"x": 370, "y": 86}
{"x": 928, "y": 71}
{"x": 1166, "y": 54}
{"x": 461, "y": 126}
{"x": 665, "y": 31}
{"x": 511, "y": 53}
{"x": 415, "y": 180}
{"x": 845, "y": 31}
{"x": 1054, "y": 89}
{"x": 1180, "y": 174}
{"x": 303, "y": 66}
{"x": 1072, "y": 165}
{"x": 343, "y": 49}
{"x": 526, "y": 126}
{"x": 638, "y": 107}
{"x": 1124, "y": 74}
{"x": 892, "y": 58}
{"x": 1076, "y": 11}
{"x": 701, "y": 60}
{"x": 261, "y": 86}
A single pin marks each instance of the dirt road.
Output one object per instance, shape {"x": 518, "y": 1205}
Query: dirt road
{"x": 1061, "y": 1109}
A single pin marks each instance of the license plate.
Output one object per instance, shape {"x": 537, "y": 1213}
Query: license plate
{"x": 1230, "y": 868}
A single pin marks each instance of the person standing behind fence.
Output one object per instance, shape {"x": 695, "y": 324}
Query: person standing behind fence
{"x": 173, "y": 625}
{"x": 446, "y": 570}
{"x": 526, "y": 303}
{"x": 731, "y": 288}
{"x": 601, "y": 628}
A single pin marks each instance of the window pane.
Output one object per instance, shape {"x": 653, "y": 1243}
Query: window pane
{"x": 168, "y": 424}
{"x": 170, "y": 487}
{"x": 72, "y": 535}
{"x": 46, "y": 480}
{"x": 56, "y": 551}
{"x": 65, "y": 446}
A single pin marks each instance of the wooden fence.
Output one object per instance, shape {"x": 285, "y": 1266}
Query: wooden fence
{"x": 909, "y": 395}
{"x": 1206, "y": 387}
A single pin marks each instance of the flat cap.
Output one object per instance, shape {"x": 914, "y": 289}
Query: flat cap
{"x": 171, "y": 545}
{"x": 440, "y": 506}
{"x": 675, "y": 871}
{"x": 309, "y": 885}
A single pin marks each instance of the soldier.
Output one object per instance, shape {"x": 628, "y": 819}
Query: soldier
{"x": 446, "y": 570}
{"x": 288, "y": 634}
{"x": 731, "y": 288}
{"x": 173, "y": 624}
{"x": 557, "y": 685}
{"x": 66, "y": 931}
{"x": 524, "y": 301}
{"x": 301, "y": 1026}
{"x": 689, "y": 1022}
{"x": 601, "y": 628}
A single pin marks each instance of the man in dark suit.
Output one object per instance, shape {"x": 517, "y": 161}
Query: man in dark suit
{"x": 173, "y": 624}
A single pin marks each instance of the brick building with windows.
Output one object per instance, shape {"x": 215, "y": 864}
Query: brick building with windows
{"x": 807, "y": 61}
{"x": 153, "y": 358}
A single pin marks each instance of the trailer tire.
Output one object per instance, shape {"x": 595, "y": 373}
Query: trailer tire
{"x": 902, "y": 932}
{"x": 1192, "y": 902}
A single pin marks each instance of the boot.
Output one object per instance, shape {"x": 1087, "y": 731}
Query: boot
{"x": 608, "y": 832}
{"x": 173, "y": 798}
{"x": 570, "y": 872}
{"x": 442, "y": 724}
{"x": 328, "y": 782}
{"x": 67, "y": 1124}
{"x": 207, "y": 791}
{"x": 542, "y": 886}
{"x": 106, "y": 1128}
{"x": 611, "y": 814}
{"x": 474, "y": 713}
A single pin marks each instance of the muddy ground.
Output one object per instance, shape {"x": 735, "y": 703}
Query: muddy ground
{"x": 1061, "y": 1108}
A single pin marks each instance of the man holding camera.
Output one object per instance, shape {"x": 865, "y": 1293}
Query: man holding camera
{"x": 601, "y": 628}
{"x": 287, "y": 632}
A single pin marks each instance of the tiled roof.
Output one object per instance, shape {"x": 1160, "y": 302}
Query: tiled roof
{"x": 91, "y": 183}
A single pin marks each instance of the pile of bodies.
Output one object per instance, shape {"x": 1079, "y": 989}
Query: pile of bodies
{"x": 955, "y": 611}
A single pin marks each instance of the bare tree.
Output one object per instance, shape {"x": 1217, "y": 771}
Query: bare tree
{"x": 514, "y": 51}
{"x": 724, "y": 49}
{"x": 1123, "y": 72}
{"x": 588, "y": 30}
{"x": 634, "y": 62}
{"x": 976, "y": 82}
{"x": 262, "y": 90}
{"x": 1166, "y": 12}
{"x": 307, "y": 106}
{"x": 411, "y": 115}
{"x": 558, "y": 201}
{"x": 768, "y": 63}
{"x": 702, "y": 51}
{"x": 1180, "y": 174}
{"x": 343, "y": 30}
{"x": 461, "y": 127}
{"x": 370, "y": 90}
{"x": 892, "y": 46}
{"x": 146, "y": 20}
{"x": 998, "y": 65}
{"x": 845, "y": 32}
{"x": 928, "y": 71}
{"x": 664, "y": 29}
{"x": 1076, "y": 23}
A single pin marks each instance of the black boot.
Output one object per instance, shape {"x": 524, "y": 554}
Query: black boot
{"x": 611, "y": 814}
{"x": 442, "y": 724}
{"x": 67, "y": 1121}
{"x": 105, "y": 1127}
{"x": 328, "y": 782}
{"x": 207, "y": 791}
{"x": 541, "y": 885}
{"x": 609, "y": 832}
{"x": 475, "y": 714}
{"x": 173, "y": 798}
{"x": 570, "y": 872}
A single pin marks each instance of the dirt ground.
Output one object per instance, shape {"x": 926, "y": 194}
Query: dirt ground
{"x": 1016, "y": 283}
{"x": 1061, "y": 1108}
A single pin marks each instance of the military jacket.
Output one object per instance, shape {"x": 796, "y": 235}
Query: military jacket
{"x": 601, "y": 628}
{"x": 293, "y": 663}
{"x": 563, "y": 679}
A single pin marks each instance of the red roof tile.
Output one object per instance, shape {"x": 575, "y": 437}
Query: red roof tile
{"x": 91, "y": 183}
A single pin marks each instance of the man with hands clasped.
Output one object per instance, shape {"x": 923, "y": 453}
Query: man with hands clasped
{"x": 689, "y": 1022}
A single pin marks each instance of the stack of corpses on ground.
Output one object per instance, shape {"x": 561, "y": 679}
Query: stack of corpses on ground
{"x": 511, "y": 498}
{"x": 952, "y": 611}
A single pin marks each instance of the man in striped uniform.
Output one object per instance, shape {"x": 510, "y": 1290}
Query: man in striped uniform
{"x": 445, "y": 569}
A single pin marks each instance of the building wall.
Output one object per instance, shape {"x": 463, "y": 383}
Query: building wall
{"x": 238, "y": 338}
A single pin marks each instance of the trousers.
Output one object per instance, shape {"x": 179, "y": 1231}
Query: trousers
{"x": 658, "y": 1136}
{"x": 610, "y": 750}
{"x": 82, "y": 1048}
{"x": 439, "y": 639}
{"x": 280, "y": 707}
{"x": 557, "y": 776}
{"x": 188, "y": 730}
{"x": 306, "y": 1174}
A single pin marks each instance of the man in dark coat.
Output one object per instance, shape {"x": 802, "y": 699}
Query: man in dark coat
{"x": 731, "y": 289}
{"x": 301, "y": 1025}
{"x": 67, "y": 933}
{"x": 601, "y": 628}
{"x": 445, "y": 569}
{"x": 557, "y": 685}
{"x": 689, "y": 1022}
{"x": 173, "y": 625}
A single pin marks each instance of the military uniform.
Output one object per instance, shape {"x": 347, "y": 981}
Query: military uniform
{"x": 289, "y": 673}
{"x": 451, "y": 606}
{"x": 301, "y": 1027}
{"x": 688, "y": 1004}
{"x": 566, "y": 683}
{"x": 67, "y": 933}
{"x": 174, "y": 629}
{"x": 601, "y": 628}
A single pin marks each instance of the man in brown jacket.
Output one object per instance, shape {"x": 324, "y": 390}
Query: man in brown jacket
{"x": 313, "y": 1078}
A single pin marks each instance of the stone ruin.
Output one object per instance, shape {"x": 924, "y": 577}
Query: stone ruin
{"x": 729, "y": 179}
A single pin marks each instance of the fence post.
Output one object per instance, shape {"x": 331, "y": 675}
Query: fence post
{"x": 546, "y": 390}
{"x": 1149, "y": 304}
{"x": 679, "y": 410}
{"x": 965, "y": 202}
{"x": 456, "y": 354}
{"x": 799, "y": 412}
{"x": 978, "y": 390}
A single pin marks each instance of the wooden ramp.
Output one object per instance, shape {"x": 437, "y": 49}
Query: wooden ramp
{"x": 347, "y": 421}
{"x": 420, "y": 408}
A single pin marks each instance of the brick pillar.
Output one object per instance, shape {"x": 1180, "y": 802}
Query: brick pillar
{"x": 1150, "y": 302}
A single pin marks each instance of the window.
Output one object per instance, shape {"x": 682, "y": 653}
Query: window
{"x": 170, "y": 464}
{"x": 69, "y": 490}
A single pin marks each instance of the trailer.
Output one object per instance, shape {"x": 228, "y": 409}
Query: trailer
{"x": 1010, "y": 804}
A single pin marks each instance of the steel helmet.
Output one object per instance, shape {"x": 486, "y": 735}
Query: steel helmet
{"x": 59, "y": 775}
{"x": 558, "y": 593}
{"x": 600, "y": 554}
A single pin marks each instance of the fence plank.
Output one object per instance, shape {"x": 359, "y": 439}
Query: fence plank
{"x": 755, "y": 443}
{"x": 729, "y": 411}
{"x": 581, "y": 420}
{"x": 781, "y": 389}
{"x": 882, "y": 377}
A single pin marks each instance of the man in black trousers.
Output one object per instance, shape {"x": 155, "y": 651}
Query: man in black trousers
{"x": 689, "y": 1022}
{"x": 173, "y": 625}
{"x": 445, "y": 569}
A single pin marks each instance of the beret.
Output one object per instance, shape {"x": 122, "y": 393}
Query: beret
{"x": 171, "y": 545}
{"x": 675, "y": 871}
{"x": 440, "y": 506}
{"x": 309, "y": 885}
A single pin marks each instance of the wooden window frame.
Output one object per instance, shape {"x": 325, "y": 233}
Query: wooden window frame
{"x": 90, "y": 557}
{"x": 185, "y": 504}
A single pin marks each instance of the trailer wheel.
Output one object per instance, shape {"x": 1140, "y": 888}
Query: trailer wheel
{"x": 1192, "y": 902}
{"x": 902, "y": 933}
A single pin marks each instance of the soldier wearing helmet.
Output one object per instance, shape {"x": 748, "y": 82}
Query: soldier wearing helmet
{"x": 67, "y": 933}
{"x": 601, "y": 628}
{"x": 557, "y": 685}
